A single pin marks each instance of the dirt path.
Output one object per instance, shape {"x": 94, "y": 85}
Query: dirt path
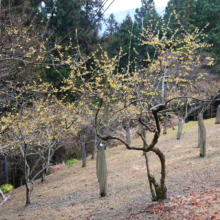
{"x": 72, "y": 193}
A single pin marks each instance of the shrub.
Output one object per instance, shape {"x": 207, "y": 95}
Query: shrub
{"x": 71, "y": 162}
{"x": 6, "y": 188}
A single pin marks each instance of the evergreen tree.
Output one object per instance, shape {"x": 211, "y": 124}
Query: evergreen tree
{"x": 112, "y": 25}
{"x": 125, "y": 41}
{"x": 76, "y": 14}
{"x": 197, "y": 13}
{"x": 144, "y": 17}
{"x": 66, "y": 18}
{"x": 208, "y": 12}
{"x": 185, "y": 11}
{"x": 109, "y": 39}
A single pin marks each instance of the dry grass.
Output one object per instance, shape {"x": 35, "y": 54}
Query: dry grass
{"x": 73, "y": 192}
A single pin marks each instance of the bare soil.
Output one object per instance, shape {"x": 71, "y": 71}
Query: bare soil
{"x": 73, "y": 193}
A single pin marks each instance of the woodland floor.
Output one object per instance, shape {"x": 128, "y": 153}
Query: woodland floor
{"x": 73, "y": 193}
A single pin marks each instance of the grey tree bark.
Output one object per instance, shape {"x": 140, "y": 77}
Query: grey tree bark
{"x": 83, "y": 151}
{"x": 158, "y": 191}
{"x": 29, "y": 190}
{"x": 217, "y": 121}
{"x": 102, "y": 171}
{"x": 165, "y": 125}
{"x": 180, "y": 127}
{"x": 198, "y": 135}
{"x": 202, "y": 136}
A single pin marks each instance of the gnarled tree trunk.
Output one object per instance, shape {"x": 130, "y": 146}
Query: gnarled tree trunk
{"x": 158, "y": 191}
{"x": 202, "y": 136}
{"x": 29, "y": 189}
{"x": 143, "y": 132}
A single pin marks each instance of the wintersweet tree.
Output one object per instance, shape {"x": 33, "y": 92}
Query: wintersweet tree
{"x": 26, "y": 51}
{"x": 38, "y": 129}
{"x": 143, "y": 94}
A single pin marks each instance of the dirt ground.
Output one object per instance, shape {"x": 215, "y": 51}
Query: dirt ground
{"x": 73, "y": 193}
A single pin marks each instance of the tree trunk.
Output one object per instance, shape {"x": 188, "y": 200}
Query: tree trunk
{"x": 143, "y": 131}
{"x": 43, "y": 175}
{"x": 180, "y": 127}
{"x": 158, "y": 191}
{"x": 165, "y": 125}
{"x": 94, "y": 147}
{"x": 83, "y": 151}
{"x": 29, "y": 190}
{"x": 202, "y": 136}
{"x": 102, "y": 171}
{"x": 217, "y": 121}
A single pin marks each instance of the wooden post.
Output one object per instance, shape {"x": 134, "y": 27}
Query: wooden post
{"x": 6, "y": 169}
{"x": 180, "y": 127}
{"x": 97, "y": 163}
{"x": 128, "y": 133}
{"x": 209, "y": 112}
{"x": 198, "y": 135}
{"x": 202, "y": 136}
{"x": 217, "y": 121}
{"x": 83, "y": 151}
{"x": 171, "y": 120}
{"x": 94, "y": 146}
{"x": 194, "y": 119}
{"x": 165, "y": 125}
{"x": 102, "y": 171}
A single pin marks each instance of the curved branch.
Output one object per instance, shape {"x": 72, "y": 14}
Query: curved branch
{"x": 109, "y": 137}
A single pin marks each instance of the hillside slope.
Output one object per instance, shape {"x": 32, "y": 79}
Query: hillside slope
{"x": 72, "y": 193}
